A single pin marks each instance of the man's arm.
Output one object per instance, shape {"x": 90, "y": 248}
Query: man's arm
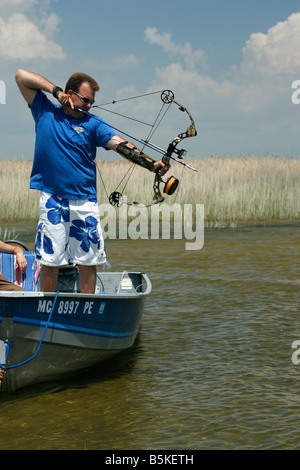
{"x": 15, "y": 250}
{"x": 30, "y": 82}
{"x": 137, "y": 157}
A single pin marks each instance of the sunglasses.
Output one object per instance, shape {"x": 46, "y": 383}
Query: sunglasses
{"x": 85, "y": 99}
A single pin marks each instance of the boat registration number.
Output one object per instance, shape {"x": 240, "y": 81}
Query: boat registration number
{"x": 69, "y": 307}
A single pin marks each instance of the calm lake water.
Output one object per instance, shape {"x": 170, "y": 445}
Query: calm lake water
{"x": 212, "y": 367}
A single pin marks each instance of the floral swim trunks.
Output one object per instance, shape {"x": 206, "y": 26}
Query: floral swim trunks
{"x": 68, "y": 232}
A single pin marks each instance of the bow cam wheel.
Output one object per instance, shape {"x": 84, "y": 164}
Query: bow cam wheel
{"x": 116, "y": 199}
{"x": 167, "y": 96}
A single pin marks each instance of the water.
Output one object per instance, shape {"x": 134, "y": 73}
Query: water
{"x": 211, "y": 369}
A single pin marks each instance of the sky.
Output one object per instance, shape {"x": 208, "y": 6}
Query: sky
{"x": 234, "y": 64}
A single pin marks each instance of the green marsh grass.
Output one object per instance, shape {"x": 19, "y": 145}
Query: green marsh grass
{"x": 233, "y": 189}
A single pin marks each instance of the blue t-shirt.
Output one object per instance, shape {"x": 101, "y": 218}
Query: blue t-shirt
{"x": 65, "y": 150}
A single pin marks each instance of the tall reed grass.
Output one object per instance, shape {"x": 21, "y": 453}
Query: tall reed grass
{"x": 232, "y": 189}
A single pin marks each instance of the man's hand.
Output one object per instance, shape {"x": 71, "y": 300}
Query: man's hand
{"x": 161, "y": 168}
{"x": 65, "y": 99}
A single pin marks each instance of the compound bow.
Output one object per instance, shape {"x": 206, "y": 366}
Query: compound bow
{"x": 167, "y": 97}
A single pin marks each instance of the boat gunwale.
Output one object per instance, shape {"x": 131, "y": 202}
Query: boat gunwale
{"x": 79, "y": 295}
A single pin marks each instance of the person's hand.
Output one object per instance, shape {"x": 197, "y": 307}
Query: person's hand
{"x": 21, "y": 260}
{"x": 65, "y": 99}
{"x": 161, "y": 168}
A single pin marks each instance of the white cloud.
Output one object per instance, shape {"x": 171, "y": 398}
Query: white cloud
{"x": 50, "y": 24}
{"x": 276, "y": 52}
{"x": 260, "y": 83}
{"x": 191, "y": 58}
{"x": 20, "y": 39}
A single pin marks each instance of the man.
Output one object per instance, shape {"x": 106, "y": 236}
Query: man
{"x": 64, "y": 171}
{"x": 21, "y": 263}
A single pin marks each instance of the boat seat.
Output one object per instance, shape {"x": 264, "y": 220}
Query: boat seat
{"x": 29, "y": 279}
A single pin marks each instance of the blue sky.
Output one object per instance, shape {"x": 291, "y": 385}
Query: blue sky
{"x": 230, "y": 62}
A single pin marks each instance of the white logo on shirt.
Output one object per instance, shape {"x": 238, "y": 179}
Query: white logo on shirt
{"x": 78, "y": 129}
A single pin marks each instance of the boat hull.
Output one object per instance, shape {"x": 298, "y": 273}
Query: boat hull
{"x": 78, "y": 331}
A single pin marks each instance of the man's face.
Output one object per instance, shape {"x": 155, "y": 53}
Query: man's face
{"x": 84, "y": 98}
